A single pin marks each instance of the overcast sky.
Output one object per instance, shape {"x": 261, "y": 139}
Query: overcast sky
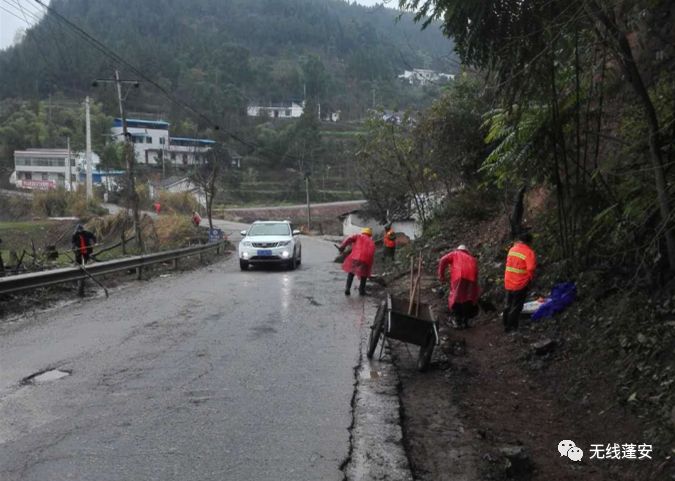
{"x": 13, "y": 18}
{"x": 14, "y": 15}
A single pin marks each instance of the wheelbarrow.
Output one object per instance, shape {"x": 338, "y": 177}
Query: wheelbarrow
{"x": 393, "y": 321}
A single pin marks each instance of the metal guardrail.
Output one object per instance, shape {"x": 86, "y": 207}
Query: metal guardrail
{"x": 51, "y": 277}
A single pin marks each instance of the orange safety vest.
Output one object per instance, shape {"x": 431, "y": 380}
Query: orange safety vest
{"x": 521, "y": 263}
{"x": 390, "y": 238}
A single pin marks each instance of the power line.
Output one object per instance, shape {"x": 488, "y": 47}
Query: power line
{"x": 39, "y": 20}
{"x": 16, "y": 16}
{"x": 111, "y": 54}
{"x": 34, "y": 31}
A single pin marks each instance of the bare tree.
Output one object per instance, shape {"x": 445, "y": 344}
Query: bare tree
{"x": 207, "y": 175}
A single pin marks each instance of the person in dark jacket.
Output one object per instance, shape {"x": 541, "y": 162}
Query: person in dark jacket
{"x": 83, "y": 244}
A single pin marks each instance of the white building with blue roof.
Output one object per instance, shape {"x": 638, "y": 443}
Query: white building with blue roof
{"x": 153, "y": 144}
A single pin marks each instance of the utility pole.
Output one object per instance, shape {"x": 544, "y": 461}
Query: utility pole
{"x": 69, "y": 172}
{"x": 129, "y": 154}
{"x": 90, "y": 186}
{"x": 309, "y": 212}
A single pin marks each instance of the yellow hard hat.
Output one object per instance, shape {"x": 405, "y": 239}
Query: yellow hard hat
{"x": 367, "y": 231}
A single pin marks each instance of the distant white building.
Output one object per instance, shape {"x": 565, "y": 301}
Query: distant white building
{"x": 179, "y": 185}
{"x": 420, "y": 76}
{"x": 187, "y": 151}
{"x": 154, "y": 146}
{"x": 44, "y": 169}
{"x": 277, "y": 110}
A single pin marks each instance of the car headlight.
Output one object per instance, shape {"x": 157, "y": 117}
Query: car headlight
{"x": 246, "y": 244}
{"x": 284, "y": 243}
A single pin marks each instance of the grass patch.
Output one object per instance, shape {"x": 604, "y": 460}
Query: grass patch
{"x": 18, "y": 235}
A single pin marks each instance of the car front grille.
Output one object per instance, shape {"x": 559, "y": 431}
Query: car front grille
{"x": 265, "y": 245}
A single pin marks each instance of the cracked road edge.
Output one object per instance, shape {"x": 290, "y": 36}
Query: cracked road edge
{"x": 376, "y": 447}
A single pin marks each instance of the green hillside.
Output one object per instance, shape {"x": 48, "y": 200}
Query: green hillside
{"x": 219, "y": 55}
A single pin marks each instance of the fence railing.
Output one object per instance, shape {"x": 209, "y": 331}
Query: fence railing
{"x": 51, "y": 277}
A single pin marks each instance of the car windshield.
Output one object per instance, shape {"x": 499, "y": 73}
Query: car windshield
{"x": 269, "y": 229}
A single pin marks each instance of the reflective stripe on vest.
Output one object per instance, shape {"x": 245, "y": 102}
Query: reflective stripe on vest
{"x": 516, "y": 270}
{"x": 518, "y": 255}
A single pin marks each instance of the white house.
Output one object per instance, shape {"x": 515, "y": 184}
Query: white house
{"x": 277, "y": 110}
{"x": 180, "y": 185}
{"x": 150, "y": 138}
{"x": 153, "y": 145}
{"x": 44, "y": 169}
{"x": 420, "y": 76}
{"x": 411, "y": 228}
{"x": 354, "y": 221}
{"x": 187, "y": 151}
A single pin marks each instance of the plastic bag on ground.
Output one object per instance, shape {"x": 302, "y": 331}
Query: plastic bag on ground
{"x": 562, "y": 295}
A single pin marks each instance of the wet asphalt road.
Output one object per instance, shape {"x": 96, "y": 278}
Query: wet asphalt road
{"x": 211, "y": 374}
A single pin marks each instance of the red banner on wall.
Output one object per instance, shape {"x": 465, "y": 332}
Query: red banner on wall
{"x": 37, "y": 184}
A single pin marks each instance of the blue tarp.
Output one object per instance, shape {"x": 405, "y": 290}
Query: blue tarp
{"x": 562, "y": 295}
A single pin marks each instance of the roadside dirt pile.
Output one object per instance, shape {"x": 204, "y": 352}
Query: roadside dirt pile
{"x": 495, "y": 406}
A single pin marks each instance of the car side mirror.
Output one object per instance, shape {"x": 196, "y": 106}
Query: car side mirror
{"x": 296, "y": 232}
{"x": 243, "y": 233}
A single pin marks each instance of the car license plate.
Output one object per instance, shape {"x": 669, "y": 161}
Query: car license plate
{"x": 265, "y": 253}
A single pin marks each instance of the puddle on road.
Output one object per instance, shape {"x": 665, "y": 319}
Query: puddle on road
{"x": 45, "y": 376}
{"x": 369, "y": 374}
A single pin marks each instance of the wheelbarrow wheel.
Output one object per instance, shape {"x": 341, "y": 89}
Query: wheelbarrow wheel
{"x": 426, "y": 351}
{"x": 376, "y": 329}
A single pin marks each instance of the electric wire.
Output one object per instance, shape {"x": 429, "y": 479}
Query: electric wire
{"x": 108, "y": 52}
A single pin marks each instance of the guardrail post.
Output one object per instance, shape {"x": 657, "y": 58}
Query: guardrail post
{"x": 80, "y": 288}
{"x": 139, "y": 273}
{"x": 175, "y": 264}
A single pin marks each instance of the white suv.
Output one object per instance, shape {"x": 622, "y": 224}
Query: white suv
{"x": 270, "y": 242}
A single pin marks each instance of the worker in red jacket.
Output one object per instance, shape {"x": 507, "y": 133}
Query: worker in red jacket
{"x": 359, "y": 262}
{"x": 196, "y": 219}
{"x": 464, "y": 290}
{"x": 521, "y": 262}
